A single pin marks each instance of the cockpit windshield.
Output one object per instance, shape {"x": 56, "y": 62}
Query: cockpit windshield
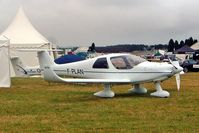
{"x": 126, "y": 61}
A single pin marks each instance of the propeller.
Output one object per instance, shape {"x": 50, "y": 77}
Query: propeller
{"x": 178, "y": 81}
{"x": 177, "y": 71}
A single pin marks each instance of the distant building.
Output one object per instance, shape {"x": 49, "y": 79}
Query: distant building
{"x": 195, "y": 46}
{"x": 81, "y": 49}
{"x": 196, "y": 55}
{"x": 185, "y": 50}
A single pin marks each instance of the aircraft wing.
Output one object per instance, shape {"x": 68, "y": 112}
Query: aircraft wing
{"x": 50, "y": 75}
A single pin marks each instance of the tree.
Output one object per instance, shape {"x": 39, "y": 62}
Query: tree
{"x": 176, "y": 45}
{"x": 190, "y": 41}
{"x": 171, "y": 45}
{"x": 181, "y": 43}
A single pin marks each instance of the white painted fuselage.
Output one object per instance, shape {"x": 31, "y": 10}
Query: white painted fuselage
{"x": 143, "y": 72}
{"x": 112, "y": 68}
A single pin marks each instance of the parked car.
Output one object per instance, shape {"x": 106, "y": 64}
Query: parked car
{"x": 188, "y": 65}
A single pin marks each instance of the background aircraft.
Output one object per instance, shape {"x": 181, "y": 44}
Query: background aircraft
{"x": 22, "y": 70}
{"x": 110, "y": 69}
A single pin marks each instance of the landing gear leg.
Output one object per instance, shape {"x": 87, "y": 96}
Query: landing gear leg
{"x": 107, "y": 92}
{"x": 138, "y": 89}
{"x": 159, "y": 92}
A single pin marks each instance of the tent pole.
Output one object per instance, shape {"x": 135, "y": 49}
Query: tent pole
{"x": 9, "y": 59}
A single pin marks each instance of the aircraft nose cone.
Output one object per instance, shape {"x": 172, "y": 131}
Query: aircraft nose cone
{"x": 180, "y": 69}
{"x": 177, "y": 69}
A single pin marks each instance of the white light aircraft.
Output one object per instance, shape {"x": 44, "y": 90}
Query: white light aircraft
{"x": 22, "y": 70}
{"x": 110, "y": 69}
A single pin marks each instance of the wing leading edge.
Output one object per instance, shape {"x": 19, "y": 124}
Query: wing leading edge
{"x": 50, "y": 75}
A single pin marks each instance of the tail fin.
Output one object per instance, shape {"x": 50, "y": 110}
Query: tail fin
{"x": 19, "y": 67}
{"x": 44, "y": 59}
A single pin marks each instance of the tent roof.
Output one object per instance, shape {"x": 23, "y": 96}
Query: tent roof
{"x": 157, "y": 54}
{"x": 195, "y": 46}
{"x": 22, "y": 32}
{"x": 185, "y": 48}
{"x": 3, "y": 41}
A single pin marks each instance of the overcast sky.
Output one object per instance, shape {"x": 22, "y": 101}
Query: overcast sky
{"x": 106, "y": 22}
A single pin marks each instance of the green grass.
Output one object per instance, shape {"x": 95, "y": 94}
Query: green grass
{"x": 32, "y": 105}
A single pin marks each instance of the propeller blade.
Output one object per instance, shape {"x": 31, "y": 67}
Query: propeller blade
{"x": 172, "y": 63}
{"x": 178, "y": 81}
{"x": 176, "y": 65}
{"x": 178, "y": 70}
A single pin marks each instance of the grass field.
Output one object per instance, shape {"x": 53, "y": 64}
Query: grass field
{"x": 32, "y": 105}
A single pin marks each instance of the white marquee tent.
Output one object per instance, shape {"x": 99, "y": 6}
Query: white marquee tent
{"x": 23, "y": 35}
{"x": 195, "y": 46}
{"x": 5, "y": 63}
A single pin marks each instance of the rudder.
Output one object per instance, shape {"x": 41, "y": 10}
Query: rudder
{"x": 19, "y": 67}
{"x": 44, "y": 59}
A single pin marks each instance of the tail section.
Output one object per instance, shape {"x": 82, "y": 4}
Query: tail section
{"x": 19, "y": 67}
{"x": 21, "y": 70}
{"x": 44, "y": 59}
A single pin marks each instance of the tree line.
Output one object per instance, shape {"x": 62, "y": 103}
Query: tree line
{"x": 129, "y": 48}
{"x": 174, "y": 45}
{"x": 170, "y": 47}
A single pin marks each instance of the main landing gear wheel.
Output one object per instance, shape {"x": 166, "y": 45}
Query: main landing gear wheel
{"x": 159, "y": 92}
{"x": 138, "y": 89}
{"x": 107, "y": 92}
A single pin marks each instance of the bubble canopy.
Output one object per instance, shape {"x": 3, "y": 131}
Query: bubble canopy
{"x": 126, "y": 61}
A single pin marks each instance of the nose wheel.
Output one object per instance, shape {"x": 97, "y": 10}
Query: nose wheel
{"x": 159, "y": 91}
